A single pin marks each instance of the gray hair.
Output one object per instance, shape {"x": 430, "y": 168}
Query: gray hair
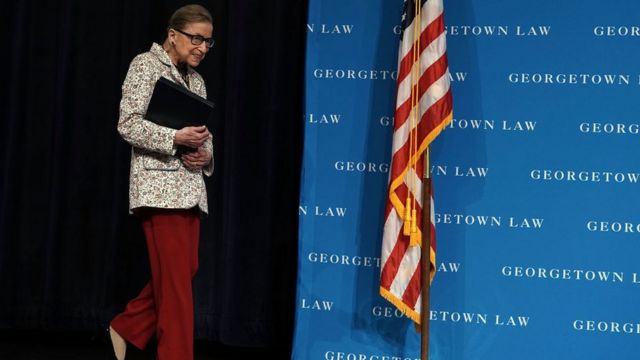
{"x": 189, "y": 14}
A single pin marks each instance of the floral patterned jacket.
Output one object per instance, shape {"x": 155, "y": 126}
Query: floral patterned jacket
{"x": 158, "y": 178}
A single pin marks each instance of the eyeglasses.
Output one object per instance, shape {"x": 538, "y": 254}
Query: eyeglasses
{"x": 197, "y": 39}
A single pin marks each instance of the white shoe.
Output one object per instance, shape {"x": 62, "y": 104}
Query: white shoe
{"x": 119, "y": 344}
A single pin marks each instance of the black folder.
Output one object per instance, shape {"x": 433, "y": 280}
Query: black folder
{"x": 174, "y": 106}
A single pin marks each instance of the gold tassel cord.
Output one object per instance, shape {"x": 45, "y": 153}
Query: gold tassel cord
{"x": 415, "y": 236}
{"x": 410, "y": 200}
{"x": 406, "y": 230}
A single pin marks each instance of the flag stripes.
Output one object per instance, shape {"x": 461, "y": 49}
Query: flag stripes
{"x": 419, "y": 118}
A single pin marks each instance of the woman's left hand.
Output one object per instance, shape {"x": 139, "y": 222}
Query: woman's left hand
{"x": 196, "y": 160}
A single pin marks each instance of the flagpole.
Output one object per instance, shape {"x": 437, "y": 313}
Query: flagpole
{"x": 425, "y": 262}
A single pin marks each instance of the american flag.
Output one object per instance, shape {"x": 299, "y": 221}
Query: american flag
{"x": 423, "y": 108}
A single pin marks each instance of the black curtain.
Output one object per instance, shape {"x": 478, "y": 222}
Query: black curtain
{"x": 70, "y": 255}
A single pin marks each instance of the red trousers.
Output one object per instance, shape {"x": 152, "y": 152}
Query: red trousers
{"x": 165, "y": 305}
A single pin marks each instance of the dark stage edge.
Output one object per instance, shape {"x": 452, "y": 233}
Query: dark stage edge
{"x": 41, "y": 345}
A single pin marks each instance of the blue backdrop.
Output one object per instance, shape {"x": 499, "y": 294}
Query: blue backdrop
{"x": 536, "y": 183}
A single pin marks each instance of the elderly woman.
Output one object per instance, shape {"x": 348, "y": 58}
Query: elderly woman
{"x": 166, "y": 189}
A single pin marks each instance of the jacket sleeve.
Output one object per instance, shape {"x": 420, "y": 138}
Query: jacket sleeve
{"x": 208, "y": 170}
{"x": 208, "y": 145}
{"x": 136, "y": 92}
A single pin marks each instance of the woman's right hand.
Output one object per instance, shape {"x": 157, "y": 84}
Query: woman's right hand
{"x": 192, "y": 136}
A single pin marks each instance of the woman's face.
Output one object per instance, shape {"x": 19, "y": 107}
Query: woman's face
{"x": 185, "y": 51}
